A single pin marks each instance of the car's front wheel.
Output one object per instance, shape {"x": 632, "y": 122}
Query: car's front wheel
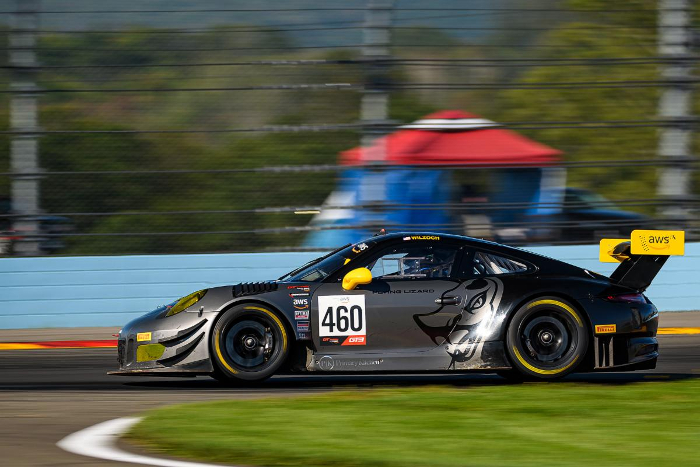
{"x": 547, "y": 338}
{"x": 248, "y": 343}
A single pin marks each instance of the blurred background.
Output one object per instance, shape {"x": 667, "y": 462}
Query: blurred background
{"x": 182, "y": 126}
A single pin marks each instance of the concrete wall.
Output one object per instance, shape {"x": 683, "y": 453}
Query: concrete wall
{"x": 111, "y": 290}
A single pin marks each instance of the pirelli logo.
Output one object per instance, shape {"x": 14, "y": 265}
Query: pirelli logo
{"x": 605, "y": 328}
{"x": 143, "y": 336}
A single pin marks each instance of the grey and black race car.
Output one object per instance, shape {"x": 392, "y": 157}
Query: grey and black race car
{"x": 408, "y": 302}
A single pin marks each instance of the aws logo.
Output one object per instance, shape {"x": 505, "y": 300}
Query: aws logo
{"x": 656, "y": 242}
{"x": 664, "y": 242}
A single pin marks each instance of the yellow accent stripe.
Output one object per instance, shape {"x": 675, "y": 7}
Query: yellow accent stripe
{"x": 557, "y": 303}
{"x": 679, "y": 331}
{"x": 277, "y": 320}
{"x": 221, "y": 357}
{"x": 539, "y": 370}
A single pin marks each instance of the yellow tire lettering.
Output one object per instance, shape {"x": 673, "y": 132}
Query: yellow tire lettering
{"x": 221, "y": 357}
{"x": 271, "y": 315}
{"x": 559, "y": 304}
{"x": 540, "y": 370}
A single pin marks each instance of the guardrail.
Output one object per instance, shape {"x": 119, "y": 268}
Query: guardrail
{"x": 111, "y": 290}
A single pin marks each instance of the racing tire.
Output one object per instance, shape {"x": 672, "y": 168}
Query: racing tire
{"x": 248, "y": 343}
{"x": 547, "y": 338}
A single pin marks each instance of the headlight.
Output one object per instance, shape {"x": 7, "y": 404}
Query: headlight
{"x": 186, "y": 302}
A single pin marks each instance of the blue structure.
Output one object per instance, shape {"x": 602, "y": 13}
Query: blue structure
{"x": 398, "y": 194}
{"x": 399, "y": 190}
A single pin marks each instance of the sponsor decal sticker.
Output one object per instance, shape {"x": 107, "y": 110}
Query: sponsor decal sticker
{"x": 358, "y": 362}
{"x": 344, "y": 341}
{"x": 360, "y": 247}
{"x": 605, "y": 328}
{"x": 342, "y": 320}
{"x": 407, "y": 238}
{"x": 298, "y": 295}
{"x": 658, "y": 242}
{"x": 301, "y": 303}
{"x": 304, "y": 335}
{"x": 301, "y": 314}
{"x": 143, "y": 336}
{"x": 425, "y": 237}
{"x": 300, "y": 288}
{"x": 326, "y": 363}
{"x": 355, "y": 340}
{"x": 303, "y": 326}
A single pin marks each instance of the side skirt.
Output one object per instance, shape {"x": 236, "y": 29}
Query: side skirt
{"x": 491, "y": 357}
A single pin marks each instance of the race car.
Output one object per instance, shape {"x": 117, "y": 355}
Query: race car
{"x": 412, "y": 302}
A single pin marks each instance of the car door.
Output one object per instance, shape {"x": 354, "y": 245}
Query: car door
{"x": 413, "y": 290}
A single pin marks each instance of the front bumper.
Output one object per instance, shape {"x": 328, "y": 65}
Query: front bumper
{"x": 177, "y": 345}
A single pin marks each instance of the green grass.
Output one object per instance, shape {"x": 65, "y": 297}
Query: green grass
{"x": 651, "y": 423}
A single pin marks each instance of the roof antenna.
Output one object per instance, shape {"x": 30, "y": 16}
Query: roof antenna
{"x": 381, "y": 232}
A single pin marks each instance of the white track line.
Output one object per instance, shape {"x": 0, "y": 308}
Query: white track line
{"x": 98, "y": 441}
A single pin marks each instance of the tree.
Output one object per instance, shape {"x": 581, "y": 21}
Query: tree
{"x": 625, "y": 34}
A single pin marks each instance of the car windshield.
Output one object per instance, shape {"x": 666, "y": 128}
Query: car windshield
{"x": 320, "y": 268}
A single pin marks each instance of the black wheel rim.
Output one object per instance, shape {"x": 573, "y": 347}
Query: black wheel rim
{"x": 250, "y": 343}
{"x": 548, "y": 338}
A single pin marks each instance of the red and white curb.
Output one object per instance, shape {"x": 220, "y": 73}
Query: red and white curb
{"x": 41, "y": 345}
{"x": 99, "y": 441}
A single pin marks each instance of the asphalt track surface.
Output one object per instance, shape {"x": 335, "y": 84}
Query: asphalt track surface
{"x": 48, "y": 394}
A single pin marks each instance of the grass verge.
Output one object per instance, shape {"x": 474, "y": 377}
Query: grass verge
{"x": 654, "y": 423}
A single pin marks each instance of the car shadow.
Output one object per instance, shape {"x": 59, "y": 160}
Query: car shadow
{"x": 339, "y": 382}
{"x": 304, "y": 384}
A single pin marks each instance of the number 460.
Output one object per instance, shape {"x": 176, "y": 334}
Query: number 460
{"x": 343, "y": 318}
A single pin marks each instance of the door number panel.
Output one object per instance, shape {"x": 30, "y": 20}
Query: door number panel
{"x": 341, "y": 320}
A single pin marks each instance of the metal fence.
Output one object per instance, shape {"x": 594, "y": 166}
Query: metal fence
{"x": 183, "y": 127}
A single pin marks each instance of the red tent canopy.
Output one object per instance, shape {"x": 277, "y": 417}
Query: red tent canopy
{"x": 453, "y": 137}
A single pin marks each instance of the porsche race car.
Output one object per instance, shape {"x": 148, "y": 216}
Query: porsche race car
{"x": 410, "y": 302}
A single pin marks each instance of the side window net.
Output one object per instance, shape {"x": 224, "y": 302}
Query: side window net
{"x": 488, "y": 264}
{"x": 415, "y": 262}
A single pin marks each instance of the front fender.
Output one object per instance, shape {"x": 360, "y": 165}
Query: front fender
{"x": 291, "y": 300}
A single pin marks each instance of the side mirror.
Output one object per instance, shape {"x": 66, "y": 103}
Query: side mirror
{"x": 356, "y": 277}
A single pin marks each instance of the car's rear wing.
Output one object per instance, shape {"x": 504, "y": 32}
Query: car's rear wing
{"x": 642, "y": 256}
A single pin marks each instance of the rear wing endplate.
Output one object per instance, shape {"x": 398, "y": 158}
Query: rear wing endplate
{"x": 641, "y": 256}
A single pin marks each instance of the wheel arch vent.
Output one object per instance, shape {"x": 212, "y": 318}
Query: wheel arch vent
{"x": 253, "y": 288}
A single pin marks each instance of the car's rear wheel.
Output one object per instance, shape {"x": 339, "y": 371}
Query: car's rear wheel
{"x": 249, "y": 343}
{"x": 547, "y": 338}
